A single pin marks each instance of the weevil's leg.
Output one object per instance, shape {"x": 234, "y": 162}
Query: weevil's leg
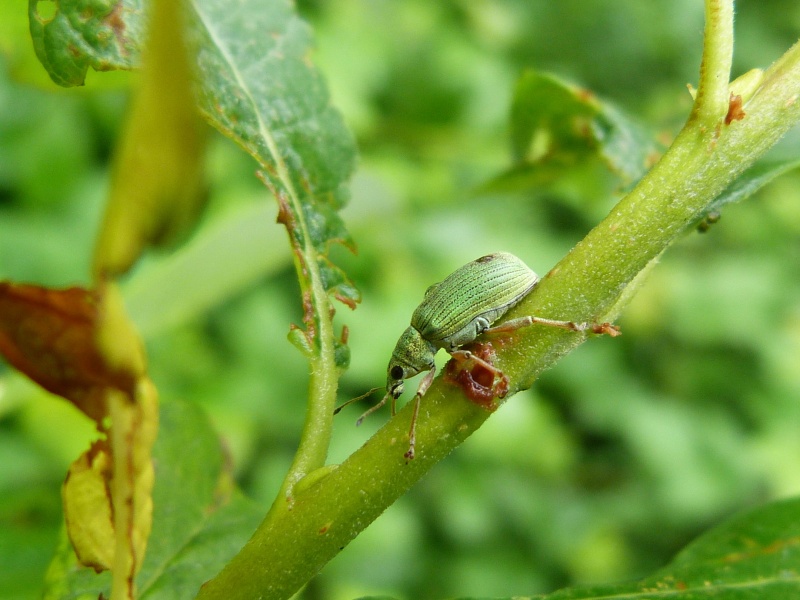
{"x": 465, "y": 355}
{"x": 412, "y": 430}
{"x": 514, "y": 324}
{"x": 598, "y": 328}
{"x": 374, "y": 408}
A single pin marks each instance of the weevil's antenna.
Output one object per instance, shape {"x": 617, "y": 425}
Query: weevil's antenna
{"x": 338, "y": 409}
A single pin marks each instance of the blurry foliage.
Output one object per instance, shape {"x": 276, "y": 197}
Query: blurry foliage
{"x": 602, "y": 471}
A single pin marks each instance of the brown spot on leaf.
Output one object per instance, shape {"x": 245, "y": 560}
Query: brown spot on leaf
{"x": 115, "y": 21}
{"x": 349, "y": 302}
{"x": 51, "y": 336}
{"x": 284, "y": 214}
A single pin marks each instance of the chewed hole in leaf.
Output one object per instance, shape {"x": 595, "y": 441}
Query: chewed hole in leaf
{"x": 46, "y": 11}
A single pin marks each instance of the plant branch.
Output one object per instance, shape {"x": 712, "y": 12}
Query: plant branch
{"x": 715, "y": 70}
{"x": 590, "y": 283}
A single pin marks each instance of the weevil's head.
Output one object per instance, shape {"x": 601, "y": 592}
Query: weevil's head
{"x": 412, "y": 354}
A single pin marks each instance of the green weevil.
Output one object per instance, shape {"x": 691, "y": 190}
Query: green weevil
{"x": 454, "y": 313}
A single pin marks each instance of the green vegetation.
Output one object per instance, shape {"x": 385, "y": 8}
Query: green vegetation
{"x": 665, "y": 458}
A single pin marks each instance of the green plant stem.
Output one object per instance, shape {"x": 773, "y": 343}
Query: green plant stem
{"x": 712, "y": 90}
{"x": 590, "y": 283}
{"x": 312, "y": 452}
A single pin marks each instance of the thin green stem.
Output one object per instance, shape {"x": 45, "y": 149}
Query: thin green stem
{"x": 712, "y": 98}
{"x": 312, "y": 451}
{"x": 315, "y": 439}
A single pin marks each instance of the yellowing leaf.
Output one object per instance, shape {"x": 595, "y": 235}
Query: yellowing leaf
{"x": 157, "y": 187}
{"x": 79, "y": 344}
{"x": 87, "y": 507}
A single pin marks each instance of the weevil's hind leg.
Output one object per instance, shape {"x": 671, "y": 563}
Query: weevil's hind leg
{"x": 598, "y": 328}
{"x": 514, "y": 324}
{"x": 412, "y": 430}
{"x": 511, "y": 325}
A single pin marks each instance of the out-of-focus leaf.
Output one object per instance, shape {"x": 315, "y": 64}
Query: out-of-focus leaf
{"x": 555, "y": 125}
{"x": 79, "y": 344}
{"x": 256, "y": 84}
{"x": 215, "y": 265}
{"x": 70, "y": 37}
{"x": 263, "y": 91}
{"x": 746, "y": 185}
{"x": 51, "y": 336}
{"x": 157, "y": 187}
{"x": 87, "y": 507}
{"x": 199, "y": 521}
{"x": 754, "y": 555}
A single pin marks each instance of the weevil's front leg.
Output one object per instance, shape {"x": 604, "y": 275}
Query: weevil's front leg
{"x": 514, "y": 324}
{"x": 372, "y": 409}
{"x": 412, "y": 430}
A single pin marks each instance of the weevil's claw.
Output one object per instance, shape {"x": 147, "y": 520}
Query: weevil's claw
{"x": 606, "y": 329}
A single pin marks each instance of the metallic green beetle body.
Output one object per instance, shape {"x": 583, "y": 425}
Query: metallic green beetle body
{"x": 454, "y": 313}
{"x": 458, "y": 310}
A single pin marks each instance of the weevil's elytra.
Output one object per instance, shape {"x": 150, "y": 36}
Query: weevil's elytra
{"x": 467, "y": 302}
{"x": 455, "y": 312}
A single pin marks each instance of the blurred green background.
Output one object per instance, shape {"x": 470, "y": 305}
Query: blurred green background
{"x": 618, "y": 457}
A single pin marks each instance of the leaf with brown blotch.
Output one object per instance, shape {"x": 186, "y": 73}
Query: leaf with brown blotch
{"x": 51, "y": 336}
{"x": 79, "y": 344}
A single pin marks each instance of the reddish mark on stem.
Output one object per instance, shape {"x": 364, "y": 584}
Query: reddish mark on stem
{"x": 478, "y": 379}
{"x": 735, "y": 111}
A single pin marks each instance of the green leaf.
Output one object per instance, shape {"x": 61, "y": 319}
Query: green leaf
{"x": 199, "y": 522}
{"x": 754, "y": 555}
{"x": 257, "y": 85}
{"x": 264, "y": 92}
{"x": 555, "y": 125}
{"x": 752, "y": 180}
{"x": 70, "y": 37}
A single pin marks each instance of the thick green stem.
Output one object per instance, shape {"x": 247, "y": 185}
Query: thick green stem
{"x": 588, "y": 284}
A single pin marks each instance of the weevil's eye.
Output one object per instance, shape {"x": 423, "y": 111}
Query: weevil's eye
{"x": 397, "y": 372}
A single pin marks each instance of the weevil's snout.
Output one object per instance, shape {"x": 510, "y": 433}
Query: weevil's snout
{"x": 411, "y": 355}
{"x": 395, "y": 389}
